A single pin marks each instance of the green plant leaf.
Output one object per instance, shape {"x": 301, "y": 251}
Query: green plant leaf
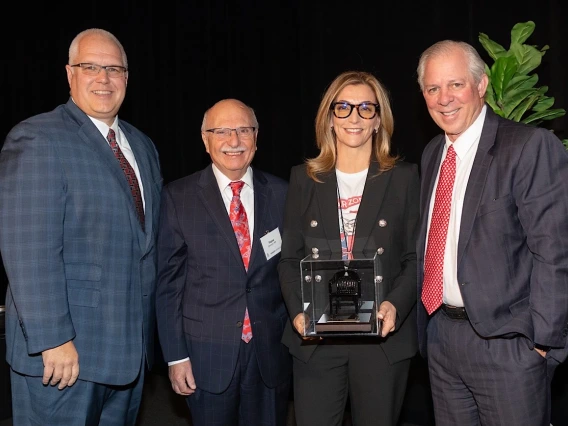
{"x": 515, "y": 97}
{"x": 545, "y": 115}
{"x": 565, "y": 142}
{"x": 490, "y": 97}
{"x": 519, "y": 82}
{"x": 543, "y": 103}
{"x": 494, "y": 49}
{"x": 522, "y": 108}
{"x": 522, "y": 31}
{"x": 528, "y": 57}
{"x": 502, "y": 72}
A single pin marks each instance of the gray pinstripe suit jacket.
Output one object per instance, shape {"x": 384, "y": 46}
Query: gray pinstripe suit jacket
{"x": 513, "y": 242}
{"x": 79, "y": 265}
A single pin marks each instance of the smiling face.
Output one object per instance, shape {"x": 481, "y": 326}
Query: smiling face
{"x": 453, "y": 98}
{"x": 355, "y": 132}
{"x": 233, "y": 154}
{"x": 98, "y": 96}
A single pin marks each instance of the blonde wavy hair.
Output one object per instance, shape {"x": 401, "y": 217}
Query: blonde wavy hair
{"x": 325, "y": 136}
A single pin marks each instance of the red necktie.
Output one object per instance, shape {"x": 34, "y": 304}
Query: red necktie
{"x": 239, "y": 220}
{"x": 130, "y": 175}
{"x": 432, "y": 290}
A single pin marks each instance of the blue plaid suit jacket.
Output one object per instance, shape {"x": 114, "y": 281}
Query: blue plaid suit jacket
{"x": 79, "y": 265}
{"x": 203, "y": 287}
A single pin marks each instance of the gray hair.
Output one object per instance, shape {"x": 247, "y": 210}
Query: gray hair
{"x": 74, "y": 47}
{"x": 475, "y": 64}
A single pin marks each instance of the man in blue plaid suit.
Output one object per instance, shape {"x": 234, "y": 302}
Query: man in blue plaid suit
{"x": 80, "y": 258}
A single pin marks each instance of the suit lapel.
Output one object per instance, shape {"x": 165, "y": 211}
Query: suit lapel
{"x": 477, "y": 178}
{"x": 211, "y": 197}
{"x": 93, "y": 138}
{"x": 326, "y": 194}
{"x": 373, "y": 195}
{"x": 144, "y": 168}
{"x": 262, "y": 199}
{"x": 429, "y": 174}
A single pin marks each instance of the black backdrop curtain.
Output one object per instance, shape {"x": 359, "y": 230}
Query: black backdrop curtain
{"x": 277, "y": 57}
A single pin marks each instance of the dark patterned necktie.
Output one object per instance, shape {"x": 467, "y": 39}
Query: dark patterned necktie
{"x": 130, "y": 175}
{"x": 239, "y": 220}
{"x": 433, "y": 288}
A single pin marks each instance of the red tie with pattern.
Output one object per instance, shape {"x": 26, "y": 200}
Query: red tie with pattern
{"x": 239, "y": 220}
{"x": 130, "y": 175}
{"x": 432, "y": 290}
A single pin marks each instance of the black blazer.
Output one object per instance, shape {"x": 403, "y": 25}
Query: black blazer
{"x": 513, "y": 249}
{"x": 392, "y": 196}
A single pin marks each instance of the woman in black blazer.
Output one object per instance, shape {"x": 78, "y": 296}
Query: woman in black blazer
{"x": 356, "y": 185}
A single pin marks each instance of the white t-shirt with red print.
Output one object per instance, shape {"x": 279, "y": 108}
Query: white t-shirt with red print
{"x": 350, "y": 188}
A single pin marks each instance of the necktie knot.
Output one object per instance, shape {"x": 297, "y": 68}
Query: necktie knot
{"x": 111, "y": 137}
{"x": 450, "y": 154}
{"x": 237, "y": 187}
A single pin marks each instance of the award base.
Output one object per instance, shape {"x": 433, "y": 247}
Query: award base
{"x": 352, "y": 322}
{"x": 348, "y": 320}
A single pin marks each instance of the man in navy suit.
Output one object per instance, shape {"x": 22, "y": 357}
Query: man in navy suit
{"x": 498, "y": 326}
{"x": 206, "y": 288}
{"x": 77, "y": 240}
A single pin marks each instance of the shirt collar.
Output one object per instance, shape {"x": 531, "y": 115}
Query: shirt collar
{"x": 103, "y": 127}
{"x": 223, "y": 181}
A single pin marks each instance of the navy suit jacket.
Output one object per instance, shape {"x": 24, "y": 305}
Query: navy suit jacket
{"x": 79, "y": 265}
{"x": 391, "y": 197}
{"x": 513, "y": 241}
{"x": 203, "y": 287}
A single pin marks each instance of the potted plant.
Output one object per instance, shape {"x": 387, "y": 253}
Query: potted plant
{"x": 512, "y": 91}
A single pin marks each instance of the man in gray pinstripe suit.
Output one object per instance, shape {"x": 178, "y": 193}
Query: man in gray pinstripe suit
{"x": 79, "y": 255}
{"x": 498, "y": 328}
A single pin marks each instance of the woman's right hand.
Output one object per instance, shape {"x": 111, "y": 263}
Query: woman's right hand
{"x": 301, "y": 323}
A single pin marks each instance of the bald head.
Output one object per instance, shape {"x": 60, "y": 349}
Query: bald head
{"x": 224, "y": 105}
{"x": 232, "y": 150}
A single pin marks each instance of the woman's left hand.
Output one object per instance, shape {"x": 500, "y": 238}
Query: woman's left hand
{"x": 387, "y": 314}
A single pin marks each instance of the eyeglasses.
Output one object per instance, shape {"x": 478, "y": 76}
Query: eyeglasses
{"x": 225, "y": 132}
{"x": 95, "y": 69}
{"x": 365, "y": 110}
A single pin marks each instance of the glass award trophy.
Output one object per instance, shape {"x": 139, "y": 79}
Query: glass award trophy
{"x": 341, "y": 297}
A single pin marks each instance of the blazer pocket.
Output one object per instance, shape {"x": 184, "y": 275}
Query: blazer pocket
{"x": 192, "y": 327}
{"x": 494, "y": 205}
{"x": 83, "y": 284}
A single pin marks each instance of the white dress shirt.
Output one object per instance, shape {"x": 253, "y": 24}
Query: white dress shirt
{"x": 466, "y": 148}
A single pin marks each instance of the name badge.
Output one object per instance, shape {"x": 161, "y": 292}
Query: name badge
{"x": 271, "y": 243}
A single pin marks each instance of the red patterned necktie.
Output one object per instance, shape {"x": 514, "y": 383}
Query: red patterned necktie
{"x": 130, "y": 175}
{"x": 432, "y": 290}
{"x": 239, "y": 220}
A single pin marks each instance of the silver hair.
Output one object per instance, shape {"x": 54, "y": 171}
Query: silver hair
{"x": 74, "y": 47}
{"x": 475, "y": 64}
